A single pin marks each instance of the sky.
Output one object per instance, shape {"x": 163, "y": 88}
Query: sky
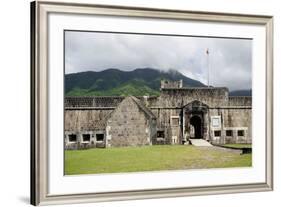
{"x": 229, "y": 60}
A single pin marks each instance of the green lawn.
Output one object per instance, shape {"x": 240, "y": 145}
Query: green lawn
{"x": 151, "y": 158}
{"x": 238, "y": 145}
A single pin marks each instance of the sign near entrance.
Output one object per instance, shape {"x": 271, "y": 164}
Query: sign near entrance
{"x": 216, "y": 121}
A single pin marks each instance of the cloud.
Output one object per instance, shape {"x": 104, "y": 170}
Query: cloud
{"x": 230, "y": 60}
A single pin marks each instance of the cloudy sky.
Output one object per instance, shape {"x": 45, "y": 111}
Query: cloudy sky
{"x": 230, "y": 60}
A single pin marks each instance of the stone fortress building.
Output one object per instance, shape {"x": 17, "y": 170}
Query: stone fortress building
{"x": 176, "y": 116}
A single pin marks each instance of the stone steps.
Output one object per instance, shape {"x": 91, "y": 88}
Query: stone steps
{"x": 200, "y": 143}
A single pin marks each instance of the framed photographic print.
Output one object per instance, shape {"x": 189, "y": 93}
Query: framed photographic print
{"x": 136, "y": 103}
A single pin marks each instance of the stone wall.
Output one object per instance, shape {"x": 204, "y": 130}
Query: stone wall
{"x": 96, "y": 101}
{"x": 127, "y": 121}
{"x": 128, "y": 125}
{"x": 172, "y": 133}
{"x": 232, "y": 120}
{"x": 171, "y": 84}
{"x": 78, "y": 120}
{"x": 183, "y": 96}
{"x": 240, "y": 101}
{"x": 104, "y": 101}
{"x": 169, "y": 97}
{"x": 78, "y": 101}
{"x": 80, "y": 143}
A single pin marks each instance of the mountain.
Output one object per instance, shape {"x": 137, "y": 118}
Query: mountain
{"x": 241, "y": 93}
{"x": 114, "y": 82}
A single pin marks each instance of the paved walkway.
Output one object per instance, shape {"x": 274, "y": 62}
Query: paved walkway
{"x": 200, "y": 143}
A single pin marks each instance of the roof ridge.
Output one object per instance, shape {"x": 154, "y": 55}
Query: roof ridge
{"x": 142, "y": 106}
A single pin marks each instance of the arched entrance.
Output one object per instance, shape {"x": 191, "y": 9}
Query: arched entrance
{"x": 195, "y": 121}
{"x": 196, "y": 126}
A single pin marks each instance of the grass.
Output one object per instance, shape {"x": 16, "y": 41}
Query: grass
{"x": 238, "y": 145}
{"x": 151, "y": 158}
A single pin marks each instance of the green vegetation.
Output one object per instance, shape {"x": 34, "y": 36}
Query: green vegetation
{"x": 151, "y": 158}
{"x": 130, "y": 88}
{"x": 238, "y": 145}
{"x": 114, "y": 82}
{"x": 138, "y": 82}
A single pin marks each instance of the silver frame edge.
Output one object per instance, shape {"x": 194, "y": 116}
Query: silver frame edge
{"x": 39, "y": 101}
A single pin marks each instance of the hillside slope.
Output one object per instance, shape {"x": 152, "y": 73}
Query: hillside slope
{"x": 114, "y": 82}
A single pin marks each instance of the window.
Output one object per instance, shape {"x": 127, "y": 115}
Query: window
{"x": 229, "y": 133}
{"x": 86, "y": 137}
{"x": 240, "y": 133}
{"x": 160, "y": 134}
{"x": 72, "y": 138}
{"x": 217, "y": 133}
{"x": 99, "y": 137}
{"x": 175, "y": 121}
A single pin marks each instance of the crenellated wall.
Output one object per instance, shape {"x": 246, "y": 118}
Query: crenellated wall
{"x": 95, "y": 101}
{"x": 240, "y": 101}
{"x": 183, "y": 96}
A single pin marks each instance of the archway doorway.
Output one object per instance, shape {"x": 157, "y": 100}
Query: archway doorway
{"x": 195, "y": 118}
{"x": 196, "y": 127}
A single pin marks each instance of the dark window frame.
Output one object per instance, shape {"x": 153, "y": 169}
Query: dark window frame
{"x": 88, "y": 137}
{"x": 98, "y": 137}
{"x": 160, "y": 132}
{"x": 240, "y": 133}
{"x": 217, "y": 133}
{"x": 229, "y": 133}
{"x": 71, "y": 136}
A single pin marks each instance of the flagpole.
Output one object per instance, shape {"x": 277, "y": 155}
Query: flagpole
{"x": 208, "y": 62}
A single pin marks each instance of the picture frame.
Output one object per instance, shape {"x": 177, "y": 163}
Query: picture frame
{"x": 40, "y": 101}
